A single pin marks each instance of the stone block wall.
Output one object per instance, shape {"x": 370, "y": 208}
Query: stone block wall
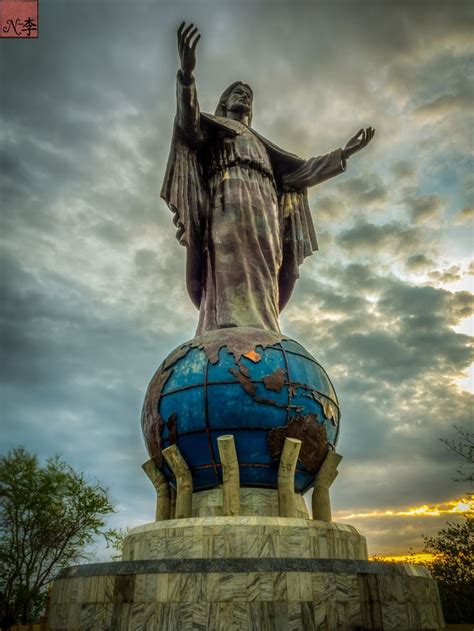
{"x": 244, "y": 537}
{"x": 324, "y": 596}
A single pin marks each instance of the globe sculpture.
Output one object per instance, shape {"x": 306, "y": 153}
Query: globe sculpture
{"x": 228, "y": 383}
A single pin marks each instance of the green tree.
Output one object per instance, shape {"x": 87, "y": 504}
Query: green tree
{"x": 453, "y": 568}
{"x": 48, "y": 515}
{"x": 453, "y": 546}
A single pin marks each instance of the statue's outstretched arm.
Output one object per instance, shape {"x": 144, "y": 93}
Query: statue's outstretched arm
{"x": 317, "y": 170}
{"x": 188, "y": 115}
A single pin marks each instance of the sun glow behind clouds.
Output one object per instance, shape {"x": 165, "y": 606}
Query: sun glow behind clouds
{"x": 467, "y": 383}
{"x": 417, "y": 557}
{"x": 453, "y": 507}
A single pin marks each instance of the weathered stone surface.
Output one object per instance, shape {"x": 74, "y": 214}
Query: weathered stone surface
{"x": 244, "y": 537}
{"x": 250, "y": 573}
{"x": 325, "y": 595}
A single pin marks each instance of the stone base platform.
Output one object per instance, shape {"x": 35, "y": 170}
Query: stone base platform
{"x": 244, "y": 537}
{"x": 245, "y": 594}
{"x": 245, "y": 573}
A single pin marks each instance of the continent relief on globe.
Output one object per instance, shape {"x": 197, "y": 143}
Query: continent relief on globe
{"x": 258, "y": 386}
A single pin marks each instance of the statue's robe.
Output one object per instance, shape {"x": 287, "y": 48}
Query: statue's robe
{"x": 240, "y": 205}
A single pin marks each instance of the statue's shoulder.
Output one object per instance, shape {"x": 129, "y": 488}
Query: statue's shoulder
{"x": 220, "y": 123}
{"x": 234, "y": 128}
{"x": 277, "y": 154}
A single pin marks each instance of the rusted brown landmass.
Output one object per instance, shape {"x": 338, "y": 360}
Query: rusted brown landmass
{"x": 330, "y": 409}
{"x": 152, "y": 423}
{"x": 276, "y": 380}
{"x": 293, "y": 387}
{"x": 152, "y": 432}
{"x": 242, "y": 376}
{"x": 238, "y": 341}
{"x": 171, "y": 425}
{"x": 314, "y": 443}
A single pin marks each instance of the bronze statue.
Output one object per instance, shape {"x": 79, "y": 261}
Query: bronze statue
{"x": 240, "y": 203}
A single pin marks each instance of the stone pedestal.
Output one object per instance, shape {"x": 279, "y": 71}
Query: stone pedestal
{"x": 245, "y": 573}
{"x": 244, "y": 538}
{"x": 256, "y": 571}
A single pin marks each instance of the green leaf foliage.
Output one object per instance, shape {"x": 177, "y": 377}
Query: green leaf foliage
{"x": 453, "y": 568}
{"x": 48, "y": 515}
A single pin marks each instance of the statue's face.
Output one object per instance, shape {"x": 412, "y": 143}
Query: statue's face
{"x": 240, "y": 100}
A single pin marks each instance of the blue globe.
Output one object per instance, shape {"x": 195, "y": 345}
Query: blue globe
{"x": 258, "y": 386}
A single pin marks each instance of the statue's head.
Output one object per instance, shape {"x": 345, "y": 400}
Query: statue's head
{"x": 238, "y": 97}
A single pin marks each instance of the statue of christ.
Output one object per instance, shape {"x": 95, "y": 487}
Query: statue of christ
{"x": 240, "y": 203}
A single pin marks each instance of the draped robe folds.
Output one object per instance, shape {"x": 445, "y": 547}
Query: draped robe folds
{"x": 240, "y": 205}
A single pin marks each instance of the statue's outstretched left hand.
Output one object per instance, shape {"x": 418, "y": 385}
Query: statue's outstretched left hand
{"x": 358, "y": 142}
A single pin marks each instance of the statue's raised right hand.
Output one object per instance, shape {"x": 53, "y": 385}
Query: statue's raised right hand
{"x": 187, "y": 48}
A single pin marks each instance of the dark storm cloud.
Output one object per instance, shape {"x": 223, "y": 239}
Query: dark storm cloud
{"x": 406, "y": 329}
{"x": 74, "y": 375}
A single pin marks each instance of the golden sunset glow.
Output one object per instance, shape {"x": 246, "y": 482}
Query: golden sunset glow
{"x": 453, "y": 507}
{"x": 418, "y": 557}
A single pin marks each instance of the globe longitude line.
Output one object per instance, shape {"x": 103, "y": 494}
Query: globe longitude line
{"x": 288, "y": 388}
{"x": 206, "y": 421}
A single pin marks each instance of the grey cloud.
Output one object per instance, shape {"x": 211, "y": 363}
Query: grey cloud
{"x": 449, "y": 275}
{"x": 328, "y": 207}
{"x": 365, "y": 236}
{"x": 464, "y": 215}
{"x": 437, "y": 82}
{"x": 418, "y": 263}
{"x": 309, "y": 291}
{"x": 389, "y": 362}
{"x": 74, "y": 377}
{"x": 417, "y": 301}
{"x": 364, "y": 191}
{"x": 425, "y": 207}
{"x": 462, "y": 305}
{"x": 404, "y": 169}
{"x": 357, "y": 275}
{"x": 445, "y": 103}
{"x": 399, "y": 535}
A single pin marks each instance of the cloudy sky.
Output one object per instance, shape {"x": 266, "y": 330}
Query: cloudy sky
{"x": 92, "y": 278}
